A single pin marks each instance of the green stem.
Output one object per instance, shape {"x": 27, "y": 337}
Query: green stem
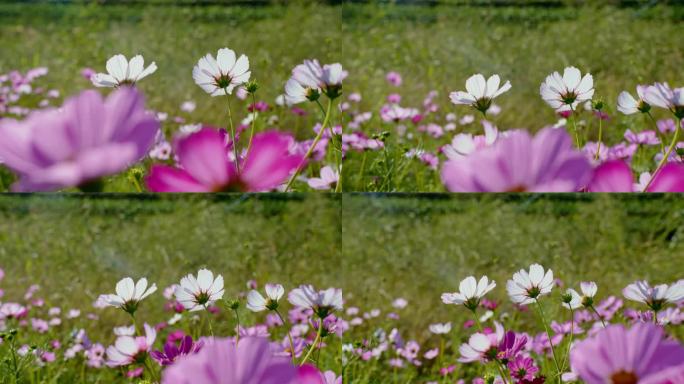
{"x": 598, "y": 315}
{"x": 502, "y": 372}
{"x": 237, "y": 334}
{"x": 313, "y": 346}
{"x": 254, "y": 116}
{"x": 289, "y": 336}
{"x": 311, "y": 148}
{"x": 477, "y": 320}
{"x": 211, "y": 329}
{"x": 574, "y": 125}
{"x": 598, "y": 146}
{"x": 363, "y": 166}
{"x": 232, "y": 135}
{"x": 667, "y": 154}
{"x": 572, "y": 333}
{"x": 338, "y": 155}
{"x": 548, "y": 334}
{"x": 153, "y": 373}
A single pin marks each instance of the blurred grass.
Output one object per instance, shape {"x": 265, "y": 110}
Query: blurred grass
{"x": 440, "y": 47}
{"x": 69, "y": 37}
{"x": 419, "y": 246}
{"x": 77, "y": 248}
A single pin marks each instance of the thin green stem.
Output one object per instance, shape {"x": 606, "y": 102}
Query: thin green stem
{"x": 548, "y": 334}
{"x": 598, "y": 146}
{"x": 363, "y": 168}
{"x": 574, "y": 126}
{"x": 572, "y": 333}
{"x": 337, "y": 152}
{"x": 211, "y": 329}
{"x": 237, "y": 334}
{"x": 477, "y": 319}
{"x": 316, "y": 340}
{"x": 502, "y": 372}
{"x": 663, "y": 161}
{"x": 598, "y": 315}
{"x": 311, "y": 148}
{"x": 289, "y": 336}
{"x": 251, "y": 133}
{"x": 153, "y": 373}
{"x": 232, "y": 135}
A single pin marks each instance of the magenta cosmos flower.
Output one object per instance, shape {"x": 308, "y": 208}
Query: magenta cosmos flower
{"x": 519, "y": 162}
{"x": 250, "y": 362}
{"x": 616, "y": 176}
{"x": 76, "y": 145}
{"x": 204, "y": 165}
{"x": 626, "y": 356}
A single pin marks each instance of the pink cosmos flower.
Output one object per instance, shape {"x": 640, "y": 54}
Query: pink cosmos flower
{"x": 616, "y": 176}
{"x": 251, "y": 361}
{"x": 647, "y": 137}
{"x": 173, "y": 351}
{"x": 523, "y": 368}
{"x": 204, "y": 165}
{"x": 620, "y": 355}
{"x": 328, "y": 179}
{"x": 85, "y": 140}
{"x": 518, "y": 162}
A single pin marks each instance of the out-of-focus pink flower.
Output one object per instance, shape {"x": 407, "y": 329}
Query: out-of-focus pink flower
{"x": 85, "y": 140}
{"x": 518, "y": 162}
{"x": 620, "y": 355}
{"x": 647, "y": 137}
{"x": 206, "y": 167}
{"x": 616, "y": 176}
{"x": 394, "y": 78}
{"x": 251, "y": 361}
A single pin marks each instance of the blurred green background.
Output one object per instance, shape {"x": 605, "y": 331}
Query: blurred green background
{"x": 68, "y": 37}
{"x": 76, "y": 248}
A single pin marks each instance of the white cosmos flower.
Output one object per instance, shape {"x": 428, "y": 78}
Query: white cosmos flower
{"x": 440, "y": 329}
{"x": 198, "y": 293}
{"x": 296, "y": 93}
{"x": 124, "y": 330}
{"x": 128, "y": 349}
{"x": 123, "y": 72}
{"x": 221, "y": 75}
{"x": 258, "y": 303}
{"x": 655, "y": 296}
{"x": 662, "y": 96}
{"x": 526, "y": 286}
{"x": 628, "y": 105}
{"x": 310, "y": 79}
{"x": 480, "y": 92}
{"x": 572, "y": 299}
{"x": 586, "y": 299}
{"x": 321, "y": 302}
{"x": 464, "y": 144}
{"x": 129, "y": 294}
{"x": 470, "y": 292}
{"x": 566, "y": 92}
